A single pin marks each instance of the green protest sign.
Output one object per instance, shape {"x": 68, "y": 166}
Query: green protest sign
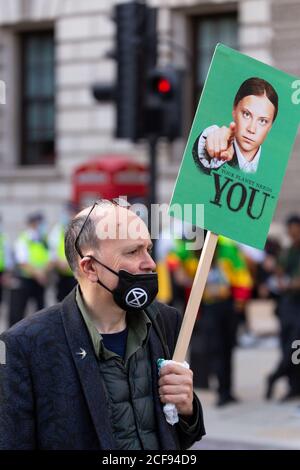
{"x": 238, "y": 148}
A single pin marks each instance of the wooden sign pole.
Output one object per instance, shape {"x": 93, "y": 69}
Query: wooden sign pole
{"x": 193, "y": 304}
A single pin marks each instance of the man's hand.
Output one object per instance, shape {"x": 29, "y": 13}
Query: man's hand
{"x": 176, "y": 386}
{"x": 219, "y": 142}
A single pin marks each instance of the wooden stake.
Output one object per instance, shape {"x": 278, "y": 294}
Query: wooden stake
{"x": 192, "y": 307}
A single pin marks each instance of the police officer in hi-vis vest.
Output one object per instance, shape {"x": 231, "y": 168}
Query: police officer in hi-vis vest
{"x": 32, "y": 268}
{"x": 65, "y": 280}
{"x": 6, "y": 262}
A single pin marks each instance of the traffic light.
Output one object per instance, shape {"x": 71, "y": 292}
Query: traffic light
{"x": 163, "y": 103}
{"x": 135, "y": 53}
{"x": 148, "y": 99}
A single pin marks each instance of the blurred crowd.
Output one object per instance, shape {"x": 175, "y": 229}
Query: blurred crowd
{"x": 32, "y": 263}
{"x": 36, "y": 260}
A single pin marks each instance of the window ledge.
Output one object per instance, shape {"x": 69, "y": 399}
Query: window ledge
{"x": 30, "y": 173}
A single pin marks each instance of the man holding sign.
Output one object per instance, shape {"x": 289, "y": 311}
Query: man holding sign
{"x": 255, "y": 108}
{"x": 82, "y": 375}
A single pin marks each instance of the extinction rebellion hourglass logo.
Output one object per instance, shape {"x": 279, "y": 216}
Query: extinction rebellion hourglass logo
{"x": 136, "y": 298}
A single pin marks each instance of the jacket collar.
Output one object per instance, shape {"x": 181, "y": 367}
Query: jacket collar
{"x": 138, "y": 324}
{"x": 85, "y": 360}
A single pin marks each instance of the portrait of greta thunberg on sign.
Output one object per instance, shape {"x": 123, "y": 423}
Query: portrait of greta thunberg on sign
{"x": 239, "y": 144}
{"x": 238, "y": 148}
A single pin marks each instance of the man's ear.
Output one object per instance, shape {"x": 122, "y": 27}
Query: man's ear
{"x": 87, "y": 268}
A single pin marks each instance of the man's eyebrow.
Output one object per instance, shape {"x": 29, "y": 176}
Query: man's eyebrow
{"x": 138, "y": 245}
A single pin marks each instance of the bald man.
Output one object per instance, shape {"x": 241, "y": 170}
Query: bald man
{"x": 83, "y": 373}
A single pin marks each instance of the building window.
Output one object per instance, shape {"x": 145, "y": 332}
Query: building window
{"x": 37, "y": 95}
{"x": 208, "y": 31}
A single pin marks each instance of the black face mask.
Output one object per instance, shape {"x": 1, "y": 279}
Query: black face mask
{"x": 134, "y": 291}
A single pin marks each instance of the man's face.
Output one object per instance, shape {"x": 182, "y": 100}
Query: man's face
{"x": 253, "y": 116}
{"x": 129, "y": 247}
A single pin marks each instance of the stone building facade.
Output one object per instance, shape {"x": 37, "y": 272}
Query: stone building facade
{"x": 77, "y": 35}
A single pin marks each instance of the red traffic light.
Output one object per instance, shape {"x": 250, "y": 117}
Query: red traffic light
{"x": 163, "y": 85}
